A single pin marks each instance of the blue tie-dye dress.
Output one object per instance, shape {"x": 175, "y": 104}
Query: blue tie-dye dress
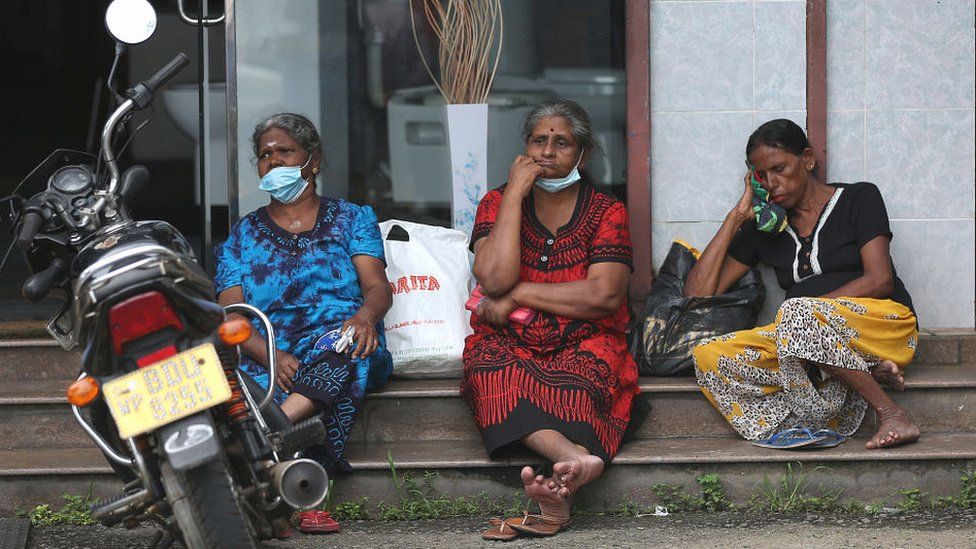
{"x": 307, "y": 285}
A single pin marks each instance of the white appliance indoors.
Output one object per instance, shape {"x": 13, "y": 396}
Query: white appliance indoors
{"x": 181, "y": 102}
{"x": 419, "y": 153}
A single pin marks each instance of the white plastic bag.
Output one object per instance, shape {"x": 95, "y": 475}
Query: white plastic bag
{"x": 430, "y": 275}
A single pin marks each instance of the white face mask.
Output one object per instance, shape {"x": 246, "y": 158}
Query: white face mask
{"x": 556, "y": 185}
{"x": 285, "y": 183}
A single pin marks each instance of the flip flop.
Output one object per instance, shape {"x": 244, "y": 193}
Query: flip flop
{"x": 500, "y": 530}
{"x": 788, "y": 439}
{"x": 540, "y": 525}
{"x": 833, "y": 438}
{"x": 317, "y": 522}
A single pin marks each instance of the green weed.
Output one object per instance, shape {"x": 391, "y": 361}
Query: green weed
{"x": 873, "y": 508}
{"x": 968, "y": 497}
{"x": 788, "y": 495}
{"x": 352, "y": 510}
{"x": 913, "y": 499}
{"x": 419, "y": 499}
{"x": 76, "y": 510}
{"x": 712, "y": 497}
{"x": 627, "y": 509}
{"x": 675, "y": 498}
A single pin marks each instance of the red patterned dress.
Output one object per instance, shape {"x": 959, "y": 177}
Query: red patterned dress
{"x": 572, "y": 376}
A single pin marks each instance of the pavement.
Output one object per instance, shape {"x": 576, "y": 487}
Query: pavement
{"x": 935, "y": 530}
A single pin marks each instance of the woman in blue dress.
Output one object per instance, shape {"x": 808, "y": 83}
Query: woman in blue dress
{"x": 313, "y": 264}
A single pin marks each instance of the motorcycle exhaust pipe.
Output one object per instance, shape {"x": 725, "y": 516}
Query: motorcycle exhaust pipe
{"x": 301, "y": 483}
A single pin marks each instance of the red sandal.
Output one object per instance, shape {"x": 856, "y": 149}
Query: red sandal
{"x": 317, "y": 522}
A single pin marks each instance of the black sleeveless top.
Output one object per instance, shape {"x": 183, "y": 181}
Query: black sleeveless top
{"x": 831, "y": 255}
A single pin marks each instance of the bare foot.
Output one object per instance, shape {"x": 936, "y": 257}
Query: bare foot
{"x": 889, "y": 374}
{"x": 895, "y": 429}
{"x": 575, "y": 473}
{"x": 539, "y": 490}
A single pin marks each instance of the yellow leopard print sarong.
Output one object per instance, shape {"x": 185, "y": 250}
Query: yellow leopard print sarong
{"x": 758, "y": 379}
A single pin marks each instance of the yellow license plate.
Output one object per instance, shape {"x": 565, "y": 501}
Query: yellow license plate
{"x": 166, "y": 391}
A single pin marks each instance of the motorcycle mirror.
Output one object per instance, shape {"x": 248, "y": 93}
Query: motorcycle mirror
{"x": 133, "y": 181}
{"x": 130, "y": 21}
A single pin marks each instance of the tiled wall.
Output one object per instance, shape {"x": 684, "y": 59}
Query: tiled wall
{"x": 900, "y": 95}
{"x": 718, "y": 70}
{"x": 900, "y": 104}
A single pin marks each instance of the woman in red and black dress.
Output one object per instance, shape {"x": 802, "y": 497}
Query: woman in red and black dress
{"x": 562, "y": 384}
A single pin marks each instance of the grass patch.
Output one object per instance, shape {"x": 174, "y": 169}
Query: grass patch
{"x": 788, "y": 494}
{"x": 913, "y": 499}
{"x": 713, "y": 496}
{"x": 968, "y": 497}
{"x": 75, "y": 511}
{"x": 352, "y": 510}
{"x": 791, "y": 492}
{"x": 673, "y": 497}
{"x": 873, "y": 508}
{"x": 418, "y": 499}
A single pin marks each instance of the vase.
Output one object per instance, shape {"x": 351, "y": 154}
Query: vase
{"x": 467, "y": 137}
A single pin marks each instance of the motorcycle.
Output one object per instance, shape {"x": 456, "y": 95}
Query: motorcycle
{"x": 201, "y": 448}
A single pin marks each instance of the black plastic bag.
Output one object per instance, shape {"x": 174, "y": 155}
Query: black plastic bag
{"x": 670, "y": 325}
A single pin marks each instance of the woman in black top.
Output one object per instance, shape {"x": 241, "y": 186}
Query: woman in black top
{"x": 847, "y": 326}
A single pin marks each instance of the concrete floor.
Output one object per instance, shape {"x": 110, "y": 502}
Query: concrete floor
{"x": 943, "y": 530}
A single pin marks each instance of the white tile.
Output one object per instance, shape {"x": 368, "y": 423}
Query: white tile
{"x": 697, "y": 164}
{"x": 923, "y": 161}
{"x": 845, "y": 54}
{"x": 934, "y": 258}
{"x": 799, "y": 117}
{"x": 920, "y": 53}
{"x": 845, "y": 146}
{"x": 701, "y": 56}
{"x": 697, "y": 234}
{"x": 781, "y": 62}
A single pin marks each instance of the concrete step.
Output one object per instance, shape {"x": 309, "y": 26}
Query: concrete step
{"x": 945, "y": 346}
{"x": 940, "y": 398}
{"x": 932, "y": 465}
{"x": 27, "y": 359}
{"x": 26, "y": 354}
{"x": 35, "y": 414}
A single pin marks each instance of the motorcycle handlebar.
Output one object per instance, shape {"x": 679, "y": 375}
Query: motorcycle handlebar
{"x": 39, "y": 284}
{"x": 29, "y": 226}
{"x": 163, "y": 75}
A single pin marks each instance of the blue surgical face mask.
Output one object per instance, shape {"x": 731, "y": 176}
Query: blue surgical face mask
{"x": 285, "y": 183}
{"x": 556, "y": 185}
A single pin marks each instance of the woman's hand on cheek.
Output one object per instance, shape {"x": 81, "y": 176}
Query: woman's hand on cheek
{"x": 366, "y": 340}
{"x": 495, "y": 311}
{"x": 287, "y": 366}
{"x": 523, "y": 173}
{"x": 743, "y": 209}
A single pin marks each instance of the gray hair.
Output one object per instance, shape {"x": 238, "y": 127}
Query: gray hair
{"x": 300, "y": 128}
{"x": 572, "y": 112}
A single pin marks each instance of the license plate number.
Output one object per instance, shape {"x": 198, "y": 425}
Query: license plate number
{"x": 166, "y": 391}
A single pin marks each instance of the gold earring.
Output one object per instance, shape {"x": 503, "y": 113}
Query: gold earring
{"x": 315, "y": 170}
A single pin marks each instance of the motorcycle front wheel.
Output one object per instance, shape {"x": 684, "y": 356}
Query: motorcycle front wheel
{"x": 205, "y": 507}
